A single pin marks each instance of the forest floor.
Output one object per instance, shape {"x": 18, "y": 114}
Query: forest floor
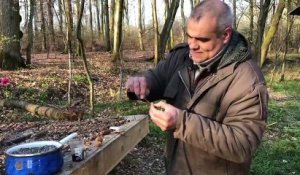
{"x": 46, "y": 83}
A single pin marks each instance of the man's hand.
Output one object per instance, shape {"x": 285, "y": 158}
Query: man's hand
{"x": 138, "y": 86}
{"x": 164, "y": 115}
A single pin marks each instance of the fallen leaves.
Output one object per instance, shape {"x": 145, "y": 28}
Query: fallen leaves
{"x": 47, "y": 84}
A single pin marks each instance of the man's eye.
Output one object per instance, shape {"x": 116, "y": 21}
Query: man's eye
{"x": 189, "y": 36}
{"x": 202, "y": 39}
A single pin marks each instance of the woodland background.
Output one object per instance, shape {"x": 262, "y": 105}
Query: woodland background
{"x": 74, "y": 56}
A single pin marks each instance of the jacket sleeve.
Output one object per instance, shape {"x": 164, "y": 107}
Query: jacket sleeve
{"x": 237, "y": 137}
{"x": 159, "y": 77}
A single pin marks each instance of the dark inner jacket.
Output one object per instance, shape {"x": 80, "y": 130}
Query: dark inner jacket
{"x": 223, "y": 113}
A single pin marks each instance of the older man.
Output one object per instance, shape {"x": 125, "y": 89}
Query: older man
{"x": 215, "y": 97}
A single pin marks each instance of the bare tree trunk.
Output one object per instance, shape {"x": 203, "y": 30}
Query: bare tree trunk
{"x": 69, "y": 21}
{"x": 78, "y": 7}
{"x": 85, "y": 65}
{"x": 183, "y": 35}
{"x": 156, "y": 33}
{"x": 10, "y": 35}
{"x": 50, "y": 17}
{"x": 106, "y": 23}
{"x": 251, "y": 27}
{"x": 26, "y": 12}
{"x": 289, "y": 25}
{"x": 112, "y": 18}
{"x": 167, "y": 27}
{"x": 143, "y": 17}
{"x": 98, "y": 18}
{"x": 168, "y": 46}
{"x": 118, "y": 29}
{"x": 271, "y": 32}
{"x": 43, "y": 26}
{"x": 35, "y": 20}
{"x": 30, "y": 32}
{"x": 192, "y": 4}
{"x": 140, "y": 25}
{"x": 39, "y": 110}
{"x": 234, "y": 14}
{"x": 102, "y": 19}
{"x": 126, "y": 15}
{"x": 171, "y": 37}
{"x": 261, "y": 22}
{"x": 91, "y": 21}
{"x": 60, "y": 12}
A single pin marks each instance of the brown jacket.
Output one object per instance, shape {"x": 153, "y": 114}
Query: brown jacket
{"x": 223, "y": 118}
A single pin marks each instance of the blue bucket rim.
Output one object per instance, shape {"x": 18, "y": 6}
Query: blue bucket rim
{"x": 33, "y": 144}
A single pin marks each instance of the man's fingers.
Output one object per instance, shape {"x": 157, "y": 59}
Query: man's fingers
{"x": 156, "y": 117}
{"x": 143, "y": 87}
{"x": 136, "y": 86}
{"x": 129, "y": 85}
{"x": 159, "y": 124}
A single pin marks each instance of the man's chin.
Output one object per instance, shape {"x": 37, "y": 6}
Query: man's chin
{"x": 198, "y": 60}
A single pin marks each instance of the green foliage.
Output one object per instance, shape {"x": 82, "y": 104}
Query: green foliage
{"x": 5, "y": 40}
{"x": 279, "y": 156}
{"x": 43, "y": 96}
{"x": 155, "y": 136}
{"x": 80, "y": 78}
{"x": 288, "y": 87}
{"x": 155, "y": 131}
{"x": 279, "y": 153}
{"x": 45, "y": 85}
{"x": 7, "y": 93}
{"x": 123, "y": 108}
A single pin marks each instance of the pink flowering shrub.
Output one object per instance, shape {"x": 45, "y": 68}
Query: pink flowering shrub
{"x": 4, "y": 81}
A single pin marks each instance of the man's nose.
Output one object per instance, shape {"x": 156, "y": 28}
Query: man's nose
{"x": 193, "y": 44}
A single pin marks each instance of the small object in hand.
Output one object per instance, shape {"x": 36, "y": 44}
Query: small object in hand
{"x": 147, "y": 101}
{"x": 159, "y": 108}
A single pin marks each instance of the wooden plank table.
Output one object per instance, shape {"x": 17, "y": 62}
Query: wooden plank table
{"x": 101, "y": 160}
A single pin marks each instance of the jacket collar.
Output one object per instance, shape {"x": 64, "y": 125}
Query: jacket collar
{"x": 235, "y": 52}
{"x": 213, "y": 80}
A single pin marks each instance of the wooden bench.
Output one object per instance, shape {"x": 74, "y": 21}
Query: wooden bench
{"x": 101, "y": 160}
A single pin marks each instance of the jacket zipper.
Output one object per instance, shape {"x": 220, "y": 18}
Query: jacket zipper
{"x": 204, "y": 82}
{"x": 185, "y": 84}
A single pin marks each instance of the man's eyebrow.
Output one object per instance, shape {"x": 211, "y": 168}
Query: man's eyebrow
{"x": 198, "y": 38}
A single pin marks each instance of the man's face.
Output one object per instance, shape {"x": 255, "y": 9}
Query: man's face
{"x": 203, "y": 41}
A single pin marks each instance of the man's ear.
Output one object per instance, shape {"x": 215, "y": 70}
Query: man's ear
{"x": 227, "y": 34}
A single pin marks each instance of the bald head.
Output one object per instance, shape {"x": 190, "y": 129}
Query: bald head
{"x": 215, "y": 9}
